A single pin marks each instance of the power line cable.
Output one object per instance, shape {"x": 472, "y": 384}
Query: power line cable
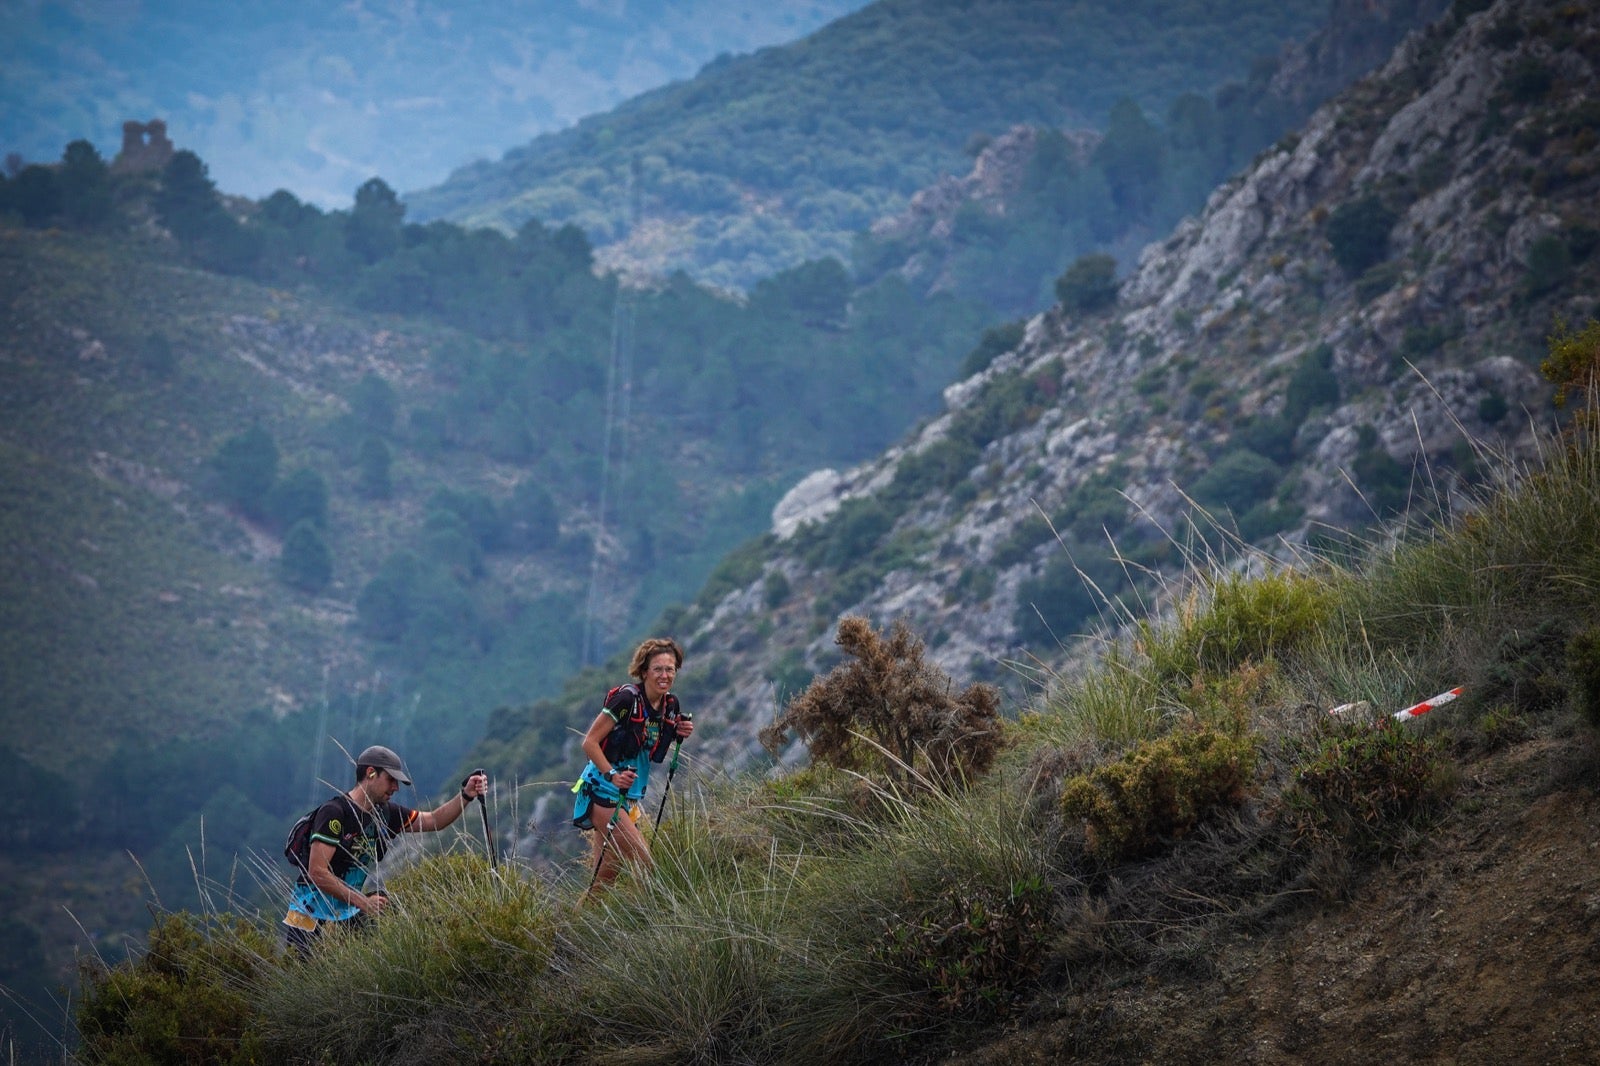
{"x": 618, "y": 413}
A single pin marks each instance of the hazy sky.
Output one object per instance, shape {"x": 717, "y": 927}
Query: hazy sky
{"x": 319, "y": 97}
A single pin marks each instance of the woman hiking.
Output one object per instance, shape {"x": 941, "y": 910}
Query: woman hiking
{"x": 635, "y": 727}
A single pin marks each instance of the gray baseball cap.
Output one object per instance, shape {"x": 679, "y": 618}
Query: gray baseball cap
{"x": 385, "y": 759}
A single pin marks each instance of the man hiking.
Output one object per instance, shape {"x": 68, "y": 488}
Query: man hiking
{"x": 634, "y": 729}
{"x": 349, "y": 835}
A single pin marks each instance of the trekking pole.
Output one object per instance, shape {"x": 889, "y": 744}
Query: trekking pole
{"x": 488, "y": 838}
{"x": 672, "y": 769}
{"x": 605, "y": 842}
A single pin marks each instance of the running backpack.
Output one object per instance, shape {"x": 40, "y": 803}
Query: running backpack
{"x": 624, "y": 741}
{"x": 297, "y": 848}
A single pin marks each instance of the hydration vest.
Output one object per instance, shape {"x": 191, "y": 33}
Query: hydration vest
{"x": 632, "y": 731}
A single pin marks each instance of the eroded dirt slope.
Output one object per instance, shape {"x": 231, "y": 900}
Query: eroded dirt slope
{"x": 1477, "y": 946}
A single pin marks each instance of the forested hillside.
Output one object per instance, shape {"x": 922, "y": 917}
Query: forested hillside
{"x": 762, "y": 162}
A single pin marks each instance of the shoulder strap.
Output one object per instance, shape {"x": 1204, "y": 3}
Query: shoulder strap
{"x": 615, "y": 700}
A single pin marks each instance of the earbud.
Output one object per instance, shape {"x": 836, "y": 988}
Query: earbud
{"x": 372, "y": 773}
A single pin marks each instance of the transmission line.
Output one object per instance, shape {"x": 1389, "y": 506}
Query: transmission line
{"x": 618, "y": 417}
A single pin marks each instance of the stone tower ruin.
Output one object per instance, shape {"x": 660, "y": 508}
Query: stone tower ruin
{"x": 144, "y": 147}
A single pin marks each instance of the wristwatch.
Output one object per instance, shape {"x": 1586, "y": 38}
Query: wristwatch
{"x": 609, "y": 774}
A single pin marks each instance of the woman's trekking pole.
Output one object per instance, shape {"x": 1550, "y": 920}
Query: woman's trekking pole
{"x": 605, "y": 842}
{"x": 672, "y": 768}
{"x": 488, "y": 838}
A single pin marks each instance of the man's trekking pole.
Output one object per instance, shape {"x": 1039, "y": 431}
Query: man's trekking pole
{"x": 488, "y": 838}
{"x": 672, "y": 768}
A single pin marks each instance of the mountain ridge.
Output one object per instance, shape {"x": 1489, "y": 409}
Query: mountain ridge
{"x": 319, "y": 100}
{"x": 766, "y": 161}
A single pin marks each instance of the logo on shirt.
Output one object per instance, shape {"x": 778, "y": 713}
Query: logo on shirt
{"x": 333, "y": 827}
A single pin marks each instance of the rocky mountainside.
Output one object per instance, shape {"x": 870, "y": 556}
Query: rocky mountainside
{"x": 1359, "y": 36}
{"x": 1338, "y": 336}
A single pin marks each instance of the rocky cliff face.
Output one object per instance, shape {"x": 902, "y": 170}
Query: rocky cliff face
{"x": 1405, "y": 254}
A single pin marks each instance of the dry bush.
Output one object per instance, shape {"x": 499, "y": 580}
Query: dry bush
{"x": 1356, "y": 786}
{"x": 888, "y": 711}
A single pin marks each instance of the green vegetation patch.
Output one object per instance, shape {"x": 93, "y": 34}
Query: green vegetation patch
{"x": 1159, "y": 791}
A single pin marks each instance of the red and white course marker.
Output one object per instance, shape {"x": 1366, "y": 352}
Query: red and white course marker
{"x": 1416, "y": 710}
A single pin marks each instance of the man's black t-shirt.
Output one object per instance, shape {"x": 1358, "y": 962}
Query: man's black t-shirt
{"x": 359, "y": 838}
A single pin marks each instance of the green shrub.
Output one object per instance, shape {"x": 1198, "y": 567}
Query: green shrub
{"x": 1420, "y": 341}
{"x": 1353, "y": 782}
{"x": 1032, "y": 531}
{"x": 1549, "y": 265}
{"x": 790, "y": 675}
{"x": 929, "y": 917}
{"x": 1384, "y": 482}
{"x": 479, "y": 515}
{"x": 1573, "y": 365}
{"x": 188, "y": 999}
{"x": 1240, "y": 620}
{"x": 374, "y": 403}
{"x": 1272, "y": 437}
{"x": 1492, "y": 408}
{"x": 306, "y": 562}
{"x": 1158, "y": 791}
{"x": 1007, "y": 403}
{"x": 937, "y": 468}
{"x": 1583, "y": 660}
{"x": 1358, "y": 231}
{"x": 775, "y": 593}
{"x": 1502, "y": 726}
{"x": 849, "y": 588}
{"x": 1068, "y": 595}
{"x": 974, "y": 586}
{"x": 373, "y": 461}
{"x": 447, "y": 540}
{"x": 1266, "y": 519}
{"x": 1094, "y": 507}
{"x": 1089, "y": 284}
{"x": 1377, "y": 280}
{"x": 1237, "y": 481}
{"x": 738, "y": 569}
{"x": 299, "y": 496}
{"x": 853, "y": 531}
{"x": 245, "y": 467}
{"x": 1527, "y": 79}
{"x": 457, "y": 948}
{"x": 995, "y": 341}
{"x": 530, "y": 518}
{"x": 1526, "y": 670}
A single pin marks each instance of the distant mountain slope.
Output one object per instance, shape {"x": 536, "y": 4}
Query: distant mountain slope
{"x": 319, "y": 98}
{"x": 1440, "y": 215}
{"x": 138, "y": 607}
{"x": 1036, "y": 199}
{"x": 763, "y": 161}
